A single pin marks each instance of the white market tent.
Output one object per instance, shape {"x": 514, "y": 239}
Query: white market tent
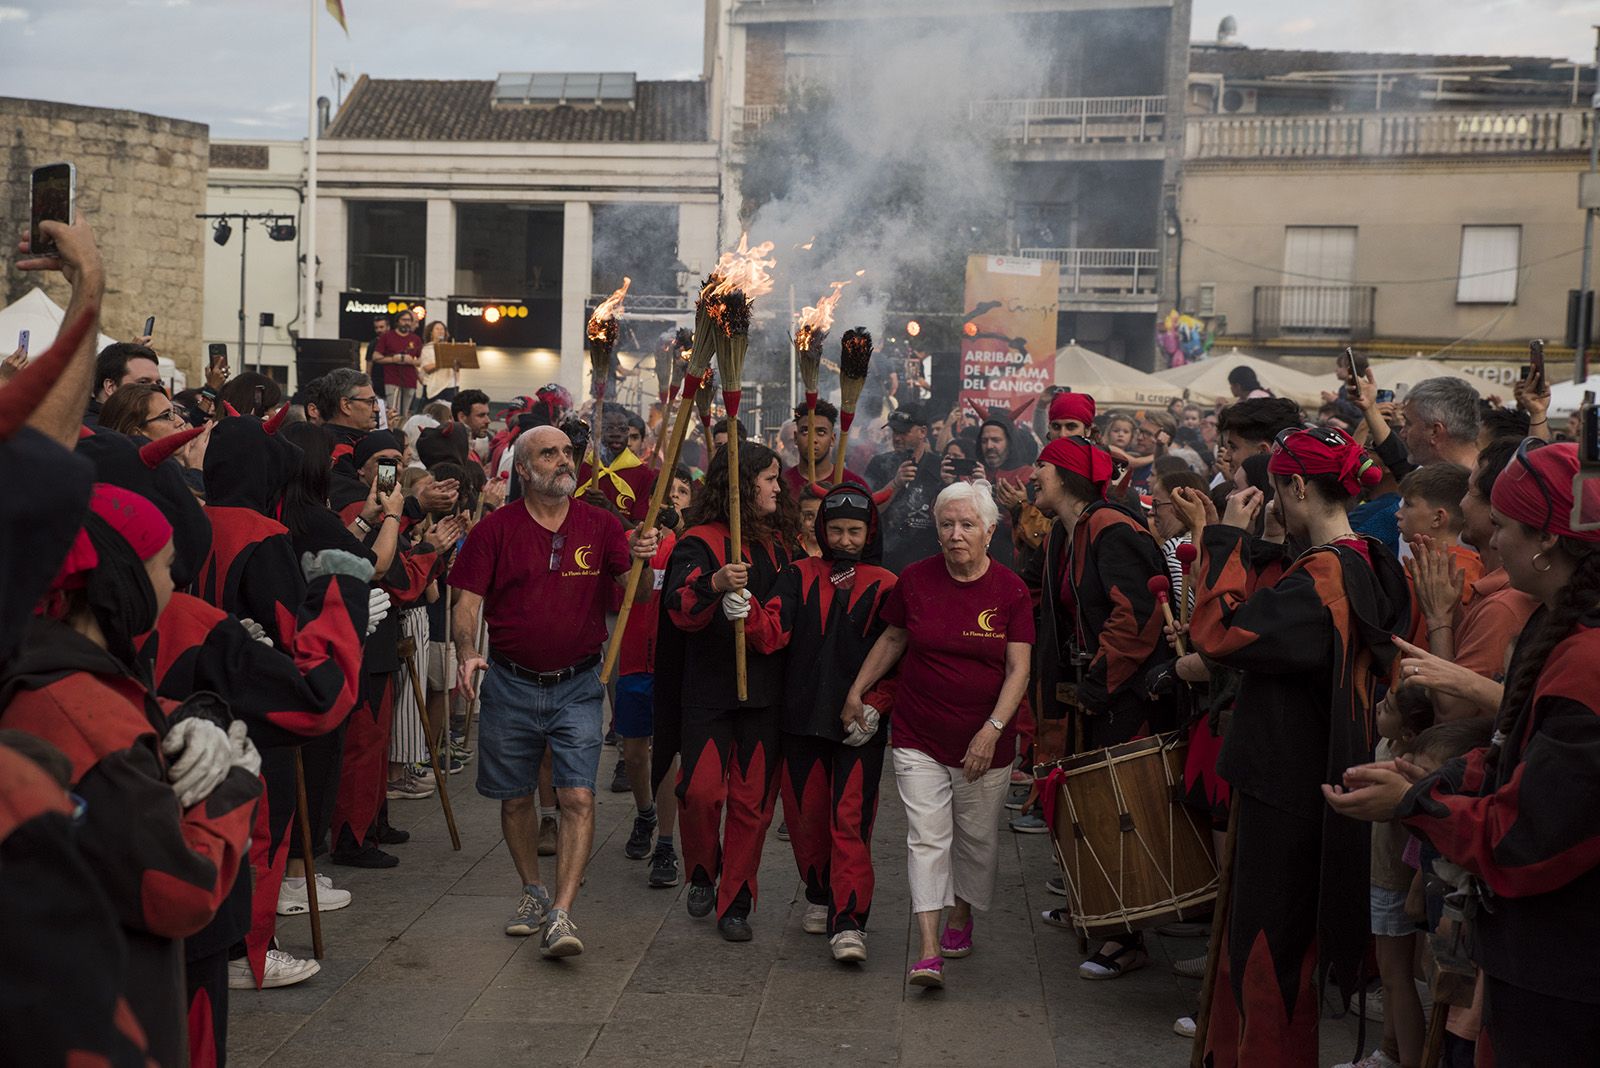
{"x": 1109, "y": 381}
{"x": 1401, "y": 375}
{"x": 1206, "y": 380}
{"x": 1567, "y": 397}
{"x": 36, "y": 313}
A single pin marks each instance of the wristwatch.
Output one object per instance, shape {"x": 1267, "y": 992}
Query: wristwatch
{"x": 997, "y": 725}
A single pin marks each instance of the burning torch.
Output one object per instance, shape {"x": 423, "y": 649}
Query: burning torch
{"x": 810, "y": 332}
{"x": 602, "y": 333}
{"x": 855, "y": 353}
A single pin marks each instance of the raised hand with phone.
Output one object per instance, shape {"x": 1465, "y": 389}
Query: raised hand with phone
{"x": 1533, "y": 393}
{"x": 71, "y": 250}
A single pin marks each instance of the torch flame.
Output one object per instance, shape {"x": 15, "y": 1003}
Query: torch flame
{"x": 744, "y": 270}
{"x": 814, "y": 322}
{"x": 608, "y": 311}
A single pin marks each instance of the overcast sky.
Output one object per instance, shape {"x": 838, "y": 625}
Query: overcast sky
{"x": 240, "y": 65}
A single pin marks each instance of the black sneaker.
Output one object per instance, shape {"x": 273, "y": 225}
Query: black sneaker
{"x": 392, "y": 836}
{"x": 735, "y": 929}
{"x": 365, "y": 857}
{"x": 701, "y": 899}
{"x": 664, "y": 867}
{"x": 611, "y": 737}
{"x": 783, "y": 831}
{"x": 639, "y": 842}
{"x": 619, "y": 780}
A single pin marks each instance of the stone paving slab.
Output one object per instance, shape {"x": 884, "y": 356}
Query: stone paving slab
{"x": 419, "y": 972}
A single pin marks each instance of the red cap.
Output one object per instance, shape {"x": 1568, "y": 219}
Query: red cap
{"x": 1079, "y": 406}
{"x": 1079, "y": 456}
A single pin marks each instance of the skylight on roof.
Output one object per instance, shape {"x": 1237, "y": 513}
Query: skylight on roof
{"x": 565, "y": 87}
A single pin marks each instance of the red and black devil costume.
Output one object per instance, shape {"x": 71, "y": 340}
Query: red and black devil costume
{"x": 1521, "y": 817}
{"x": 1311, "y": 650}
{"x": 166, "y": 870}
{"x": 729, "y": 747}
{"x": 825, "y": 611}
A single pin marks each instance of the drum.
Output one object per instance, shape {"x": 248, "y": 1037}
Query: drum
{"x": 1133, "y": 854}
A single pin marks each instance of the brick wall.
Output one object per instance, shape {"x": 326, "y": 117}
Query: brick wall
{"x": 763, "y": 65}
{"x": 141, "y": 181}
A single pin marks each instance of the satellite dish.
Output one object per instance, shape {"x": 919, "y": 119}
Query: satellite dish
{"x": 1227, "y": 29}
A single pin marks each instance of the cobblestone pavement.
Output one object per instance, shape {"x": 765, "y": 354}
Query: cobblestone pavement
{"x": 418, "y": 971}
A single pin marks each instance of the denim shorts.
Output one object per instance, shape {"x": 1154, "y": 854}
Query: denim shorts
{"x": 1389, "y": 917}
{"x": 634, "y": 715}
{"x": 518, "y": 719}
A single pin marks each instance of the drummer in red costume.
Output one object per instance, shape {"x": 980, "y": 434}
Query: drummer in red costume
{"x": 1310, "y": 650}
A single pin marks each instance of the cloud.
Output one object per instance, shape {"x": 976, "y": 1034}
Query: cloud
{"x": 1296, "y": 27}
{"x": 12, "y": 14}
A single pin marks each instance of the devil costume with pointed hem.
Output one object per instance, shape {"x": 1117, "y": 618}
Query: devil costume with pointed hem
{"x": 729, "y": 748}
{"x": 825, "y": 611}
{"x": 1310, "y": 649}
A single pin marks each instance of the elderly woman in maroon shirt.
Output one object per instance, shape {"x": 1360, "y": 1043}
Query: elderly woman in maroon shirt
{"x": 961, "y": 629}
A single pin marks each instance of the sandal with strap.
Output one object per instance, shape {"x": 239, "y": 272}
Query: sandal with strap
{"x": 928, "y": 973}
{"x": 1114, "y": 966}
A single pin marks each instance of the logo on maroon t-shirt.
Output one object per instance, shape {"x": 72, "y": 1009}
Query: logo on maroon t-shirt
{"x": 583, "y": 556}
{"x": 986, "y": 627}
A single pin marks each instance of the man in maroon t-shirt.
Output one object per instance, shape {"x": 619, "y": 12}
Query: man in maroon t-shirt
{"x": 815, "y": 436}
{"x": 395, "y": 358}
{"x": 542, "y": 571}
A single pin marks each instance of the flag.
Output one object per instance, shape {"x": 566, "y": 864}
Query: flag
{"x": 336, "y": 9}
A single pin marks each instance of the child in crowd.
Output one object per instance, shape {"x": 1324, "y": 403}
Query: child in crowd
{"x": 1430, "y": 507}
{"x": 810, "y": 505}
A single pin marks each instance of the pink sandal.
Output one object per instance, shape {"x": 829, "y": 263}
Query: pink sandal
{"x": 957, "y": 941}
{"x": 929, "y": 973}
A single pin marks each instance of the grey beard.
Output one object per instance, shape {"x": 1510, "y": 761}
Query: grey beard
{"x": 557, "y": 485}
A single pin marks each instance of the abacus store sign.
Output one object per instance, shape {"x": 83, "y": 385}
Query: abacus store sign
{"x": 357, "y": 311}
{"x": 528, "y": 324}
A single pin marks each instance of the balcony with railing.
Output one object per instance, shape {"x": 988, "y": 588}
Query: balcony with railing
{"x": 1390, "y": 134}
{"x": 1114, "y": 273}
{"x": 1075, "y": 120}
{"x": 749, "y": 118}
{"x": 1314, "y": 311}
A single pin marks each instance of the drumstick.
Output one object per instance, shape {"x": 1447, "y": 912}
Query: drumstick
{"x": 1186, "y": 557}
{"x": 1161, "y": 586}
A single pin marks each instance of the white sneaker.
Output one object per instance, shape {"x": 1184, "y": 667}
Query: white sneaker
{"x": 849, "y": 946}
{"x": 1376, "y": 1059}
{"x": 1374, "y": 1004}
{"x": 281, "y": 970}
{"x": 815, "y": 921}
{"x": 1183, "y": 1027}
{"x": 294, "y": 901}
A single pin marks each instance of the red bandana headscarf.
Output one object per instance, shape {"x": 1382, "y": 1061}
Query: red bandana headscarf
{"x": 1081, "y": 457}
{"x": 1324, "y": 451}
{"x": 1536, "y": 489}
{"x": 1079, "y": 406}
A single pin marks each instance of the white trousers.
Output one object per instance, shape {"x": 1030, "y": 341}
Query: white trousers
{"x": 952, "y": 830}
{"x": 407, "y": 744}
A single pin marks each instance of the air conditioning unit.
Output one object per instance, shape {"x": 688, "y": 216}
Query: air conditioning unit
{"x": 1238, "y": 102}
{"x": 1206, "y": 307}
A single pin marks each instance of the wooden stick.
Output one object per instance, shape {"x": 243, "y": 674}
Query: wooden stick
{"x": 811, "y": 454}
{"x": 1433, "y": 1046}
{"x": 741, "y": 671}
{"x": 1215, "y": 949}
{"x": 439, "y": 774}
{"x": 307, "y": 852}
{"x": 658, "y": 497}
{"x": 1166, "y": 610}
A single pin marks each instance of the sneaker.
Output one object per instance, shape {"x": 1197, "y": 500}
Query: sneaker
{"x": 735, "y": 929}
{"x": 1183, "y": 1027}
{"x": 532, "y": 907}
{"x": 281, "y": 970}
{"x": 849, "y": 947}
{"x": 547, "y": 836}
{"x": 422, "y": 771}
{"x": 388, "y": 835}
{"x": 815, "y": 921}
{"x": 459, "y": 747}
{"x": 700, "y": 900}
{"x": 664, "y": 868}
{"x": 1057, "y": 885}
{"x": 783, "y": 831}
{"x": 560, "y": 936}
{"x": 1018, "y": 796}
{"x": 365, "y": 857}
{"x": 1029, "y": 823}
{"x": 409, "y": 789}
{"x": 294, "y": 901}
{"x": 1376, "y": 1059}
{"x": 644, "y": 833}
{"x": 957, "y": 941}
{"x": 1190, "y": 968}
{"x": 611, "y": 737}
{"x": 1374, "y": 1004}
{"x": 619, "y": 778}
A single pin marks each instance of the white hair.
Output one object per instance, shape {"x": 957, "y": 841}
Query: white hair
{"x": 977, "y": 493}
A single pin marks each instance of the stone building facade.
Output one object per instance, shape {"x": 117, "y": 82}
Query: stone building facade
{"x": 141, "y": 181}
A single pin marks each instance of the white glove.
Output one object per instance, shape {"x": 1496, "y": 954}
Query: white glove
{"x": 855, "y": 734}
{"x": 243, "y": 749}
{"x": 377, "y": 609}
{"x": 207, "y": 755}
{"x": 736, "y": 604}
{"x": 257, "y": 632}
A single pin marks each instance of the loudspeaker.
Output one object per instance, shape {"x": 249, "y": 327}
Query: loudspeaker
{"x": 316, "y": 356}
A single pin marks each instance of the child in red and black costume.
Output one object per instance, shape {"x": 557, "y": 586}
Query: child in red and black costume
{"x": 1311, "y": 650}
{"x": 166, "y": 842}
{"x": 729, "y": 746}
{"x": 825, "y": 611}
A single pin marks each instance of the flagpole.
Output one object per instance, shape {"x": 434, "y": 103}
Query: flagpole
{"x": 308, "y": 325}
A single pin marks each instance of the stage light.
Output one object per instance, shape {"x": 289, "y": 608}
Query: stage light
{"x": 491, "y": 315}
{"x": 913, "y": 328}
{"x": 281, "y": 230}
{"x": 418, "y": 312}
{"x": 222, "y": 232}
{"x": 970, "y": 329}
{"x": 522, "y": 311}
